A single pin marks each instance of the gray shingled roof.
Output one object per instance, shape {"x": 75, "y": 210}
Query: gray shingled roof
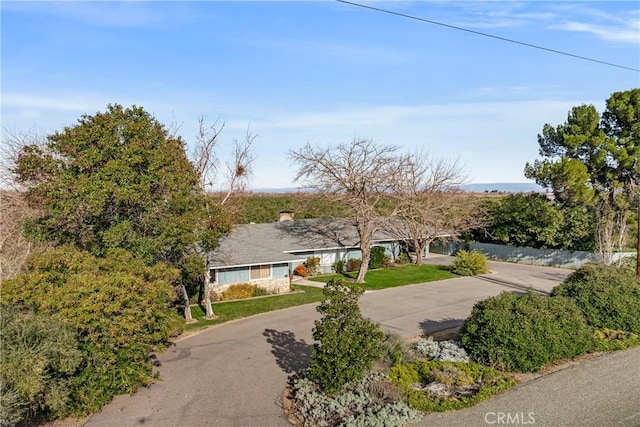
{"x": 252, "y": 244}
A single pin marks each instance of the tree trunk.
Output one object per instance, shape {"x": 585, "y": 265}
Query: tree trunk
{"x": 187, "y": 305}
{"x": 419, "y": 247}
{"x": 209, "y": 314}
{"x": 364, "y": 266}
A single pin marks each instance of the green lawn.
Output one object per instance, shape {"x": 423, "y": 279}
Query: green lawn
{"x": 237, "y": 309}
{"x": 395, "y": 276}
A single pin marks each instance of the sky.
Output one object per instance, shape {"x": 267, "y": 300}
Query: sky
{"x": 322, "y": 72}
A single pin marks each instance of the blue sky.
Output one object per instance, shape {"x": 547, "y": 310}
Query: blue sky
{"x": 322, "y": 72}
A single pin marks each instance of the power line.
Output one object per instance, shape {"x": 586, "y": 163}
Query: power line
{"x": 417, "y": 18}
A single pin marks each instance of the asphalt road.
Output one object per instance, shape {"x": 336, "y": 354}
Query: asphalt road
{"x": 234, "y": 374}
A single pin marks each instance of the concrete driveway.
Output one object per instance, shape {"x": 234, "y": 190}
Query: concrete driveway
{"x": 234, "y": 374}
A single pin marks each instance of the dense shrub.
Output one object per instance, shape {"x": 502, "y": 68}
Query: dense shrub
{"x": 243, "y": 290}
{"x": 446, "y": 351}
{"x": 373, "y": 401}
{"x": 441, "y": 386}
{"x": 470, "y": 263}
{"x": 118, "y": 307}
{"x": 379, "y": 258}
{"x": 313, "y": 265}
{"x": 396, "y": 350}
{"x": 403, "y": 258}
{"x": 346, "y": 344}
{"x": 523, "y": 333}
{"x": 611, "y": 339}
{"x": 39, "y": 356}
{"x": 608, "y": 295}
{"x": 301, "y": 271}
{"x": 353, "y": 264}
{"x": 338, "y": 266}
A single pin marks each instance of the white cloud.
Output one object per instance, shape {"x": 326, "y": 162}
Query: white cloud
{"x": 628, "y": 34}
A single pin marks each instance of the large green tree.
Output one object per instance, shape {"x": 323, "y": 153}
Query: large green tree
{"x": 592, "y": 160}
{"x": 119, "y": 179}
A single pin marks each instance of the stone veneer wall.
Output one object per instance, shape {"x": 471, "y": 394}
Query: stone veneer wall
{"x": 273, "y": 286}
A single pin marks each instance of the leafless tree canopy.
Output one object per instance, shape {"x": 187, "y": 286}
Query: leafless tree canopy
{"x": 359, "y": 175}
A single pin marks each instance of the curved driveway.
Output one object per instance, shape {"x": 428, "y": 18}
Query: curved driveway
{"x": 234, "y": 374}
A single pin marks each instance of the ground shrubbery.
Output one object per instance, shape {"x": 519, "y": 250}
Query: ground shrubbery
{"x": 523, "y": 333}
{"x": 608, "y": 295}
{"x": 118, "y": 307}
{"x": 353, "y": 264}
{"x": 242, "y": 290}
{"x": 470, "y": 263}
{"x": 379, "y": 258}
{"x": 39, "y": 357}
{"x": 441, "y": 386}
{"x": 446, "y": 351}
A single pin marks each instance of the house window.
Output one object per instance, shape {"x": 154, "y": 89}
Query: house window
{"x": 260, "y": 272}
{"x": 212, "y": 275}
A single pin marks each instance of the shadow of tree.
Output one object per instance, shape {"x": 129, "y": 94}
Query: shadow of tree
{"x": 291, "y": 354}
{"x": 441, "y": 329}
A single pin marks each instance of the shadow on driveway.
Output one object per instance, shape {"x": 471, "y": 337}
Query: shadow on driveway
{"x": 291, "y": 354}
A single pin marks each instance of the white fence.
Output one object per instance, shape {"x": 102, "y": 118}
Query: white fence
{"x": 527, "y": 255}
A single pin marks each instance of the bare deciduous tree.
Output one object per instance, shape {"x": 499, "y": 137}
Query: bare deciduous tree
{"x": 358, "y": 175}
{"x": 430, "y": 205}
{"x": 231, "y": 182}
{"x": 14, "y": 209}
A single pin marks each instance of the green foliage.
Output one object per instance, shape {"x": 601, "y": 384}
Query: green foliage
{"x": 396, "y": 350}
{"x": 523, "y": 333}
{"x": 117, "y": 305}
{"x": 403, "y": 258}
{"x": 243, "y": 290}
{"x": 608, "y": 295}
{"x": 379, "y": 258}
{"x": 353, "y": 264}
{"x": 338, "y": 266}
{"x": 372, "y": 401}
{"x": 470, "y": 263}
{"x": 39, "y": 356}
{"x": 118, "y": 180}
{"x": 612, "y": 339}
{"x": 441, "y": 386}
{"x": 312, "y": 265}
{"x": 592, "y": 161}
{"x": 533, "y": 220}
{"x": 346, "y": 344}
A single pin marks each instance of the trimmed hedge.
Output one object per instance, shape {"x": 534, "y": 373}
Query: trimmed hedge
{"x": 470, "y": 263}
{"x": 608, "y": 295}
{"x": 523, "y": 333}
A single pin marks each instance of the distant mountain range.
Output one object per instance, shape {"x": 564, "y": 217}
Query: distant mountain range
{"x": 493, "y": 187}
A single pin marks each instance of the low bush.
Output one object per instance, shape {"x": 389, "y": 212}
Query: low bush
{"x": 347, "y": 344}
{"x": 301, "y": 271}
{"x": 523, "y": 333}
{"x": 396, "y": 350}
{"x": 470, "y": 263}
{"x": 338, "y": 266}
{"x": 611, "y": 339}
{"x": 372, "y": 401}
{"x": 118, "y": 307}
{"x": 353, "y": 264}
{"x": 243, "y": 290}
{"x": 313, "y": 266}
{"x": 403, "y": 258}
{"x": 442, "y": 386}
{"x": 39, "y": 357}
{"x": 608, "y": 295}
{"x": 379, "y": 258}
{"x": 447, "y": 351}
